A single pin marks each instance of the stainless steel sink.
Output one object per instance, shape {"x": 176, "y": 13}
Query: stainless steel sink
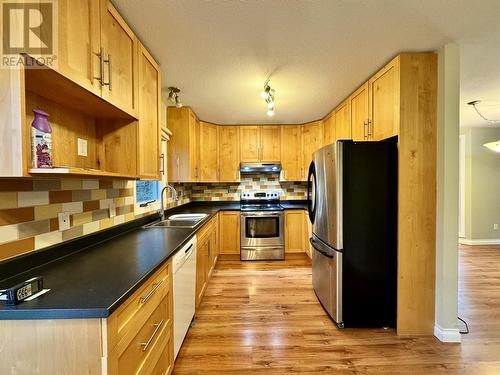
{"x": 188, "y": 217}
{"x": 179, "y": 221}
{"x": 174, "y": 224}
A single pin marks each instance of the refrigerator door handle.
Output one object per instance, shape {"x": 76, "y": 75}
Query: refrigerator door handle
{"x": 311, "y": 195}
{"x": 314, "y": 244}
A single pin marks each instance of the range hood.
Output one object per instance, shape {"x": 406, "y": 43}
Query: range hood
{"x": 268, "y": 167}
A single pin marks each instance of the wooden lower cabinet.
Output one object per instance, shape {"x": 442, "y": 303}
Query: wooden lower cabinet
{"x": 229, "y": 232}
{"x": 298, "y": 230}
{"x": 206, "y": 256}
{"x": 294, "y": 231}
{"x": 134, "y": 339}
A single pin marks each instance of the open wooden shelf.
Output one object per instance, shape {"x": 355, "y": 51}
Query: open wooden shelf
{"x": 55, "y": 87}
{"x": 77, "y": 172}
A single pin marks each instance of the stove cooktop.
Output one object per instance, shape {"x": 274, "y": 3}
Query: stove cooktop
{"x": 271, "y": 206}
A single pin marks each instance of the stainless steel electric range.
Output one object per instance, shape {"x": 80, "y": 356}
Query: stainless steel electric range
{"x": 262, "y": 225}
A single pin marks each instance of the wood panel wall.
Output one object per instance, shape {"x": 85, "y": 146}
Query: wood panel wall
{"x": 417, "y": 194}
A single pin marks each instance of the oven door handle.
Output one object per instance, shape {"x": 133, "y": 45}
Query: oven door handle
{"x": 268, "y": 214}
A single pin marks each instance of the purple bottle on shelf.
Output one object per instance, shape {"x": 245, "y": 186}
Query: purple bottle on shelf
{"x": 41, "y": 140}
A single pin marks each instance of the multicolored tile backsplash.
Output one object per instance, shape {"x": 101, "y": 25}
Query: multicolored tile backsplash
{"x": 231, "y": 191}
{"x": 29, "y": 208}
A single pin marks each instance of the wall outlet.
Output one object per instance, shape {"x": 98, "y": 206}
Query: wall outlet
{"x": 82, "y": 147}
{"x": 495, "y": 226}
{"x": 112, "y": 209}
{"x": 64, "y": 222}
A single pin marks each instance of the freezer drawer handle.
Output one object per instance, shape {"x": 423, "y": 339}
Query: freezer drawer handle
{"x": 313, "y": 243}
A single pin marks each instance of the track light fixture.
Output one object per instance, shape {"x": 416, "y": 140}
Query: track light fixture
{"x": 268, "y": 95}
{"x": 173, "y": 96}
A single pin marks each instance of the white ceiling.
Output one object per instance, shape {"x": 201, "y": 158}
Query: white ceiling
{"x": 220, "y": 52}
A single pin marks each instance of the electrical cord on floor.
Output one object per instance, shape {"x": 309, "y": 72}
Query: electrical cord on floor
{"x": 466, "y": 326}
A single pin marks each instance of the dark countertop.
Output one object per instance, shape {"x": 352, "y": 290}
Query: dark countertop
{"x": 93, "y": 282}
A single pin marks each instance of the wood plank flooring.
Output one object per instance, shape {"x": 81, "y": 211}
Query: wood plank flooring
{"x": 264, "y": 318}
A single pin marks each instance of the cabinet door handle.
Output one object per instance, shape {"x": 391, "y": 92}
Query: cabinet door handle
{"x": 370, "y": 133}
{"x": 100, "y": 55}
{"x": 151, "y": 292}
{"x": 365, "y": 124}
{"x": 209, "y": 246}
{"x": 162, "y": 165}
{"x": 146, "y": 344}
{"x": 178, "y": 170}
{"x": 284, "y": 174}
{"x": 110, "y": 72}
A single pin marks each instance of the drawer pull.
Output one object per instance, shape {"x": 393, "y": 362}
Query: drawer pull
{"x": 148, "y": 296}
{"x": 145, "y": 345}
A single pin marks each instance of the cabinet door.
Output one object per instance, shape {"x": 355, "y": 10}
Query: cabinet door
{"x": 270, "y": 144}
{"x": 149, "y": 109}
{"x": 291, "y": 146}
{"x": 194, "y": 148}
{"x": 213, "y": 253}
{"x": 201, "y": 268}
{"x": 384, "y": 102}
{"x": 229, "y": 153}
{"x": 79, "y": 42}
{"x": 229, "y": 232}
{"x": 329, "y": 129}
{"x": 120, "y": 72}
{"x": 312, "y": 140}
{"x": 359, "y": 113}
{"x": 307, "y": 234}
{"x": 208, "y": 152}
{"x": 250, "y": 143}
{"x": 343, "y": 121}
{"x": 294, "y": 231}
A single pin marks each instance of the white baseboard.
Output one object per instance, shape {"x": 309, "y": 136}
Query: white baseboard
{"x": 492, "y": 241}
{"x": 447, "y": 334}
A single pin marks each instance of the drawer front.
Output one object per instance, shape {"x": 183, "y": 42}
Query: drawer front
{"x": 147, "y": 347}
{"x": 207, "y": 228}
{"x": 126, "y": 321}
{"x": 165, "y": 363}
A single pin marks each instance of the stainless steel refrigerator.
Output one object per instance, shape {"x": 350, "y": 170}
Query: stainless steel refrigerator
{"x": 352, "y": 204}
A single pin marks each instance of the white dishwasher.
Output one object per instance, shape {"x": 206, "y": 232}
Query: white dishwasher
{"x": 184, "y": 266}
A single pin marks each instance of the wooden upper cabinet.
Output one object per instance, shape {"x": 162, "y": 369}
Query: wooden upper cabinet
{"x": 329, "y": 129}
{"x": 312, "y": 140}
{"x": 343, "y": 120}
{"x": 229, "y": 153}
{"x": 148, "y": 139}
{"x": 291, "y": 147}
{"x": 208, "y": 152}
{"x": 250, "y": 143}
{"x": 79, "y": 42}
{"x": 118, "y": 43}
{"x": 183, "y": 147}
{"x": 384, "y": 102}
{"x": 270, "y": 145}
{"x": 359, "y": 113}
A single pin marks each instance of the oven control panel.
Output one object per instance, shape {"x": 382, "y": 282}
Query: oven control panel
{"x": 265, "y": 195}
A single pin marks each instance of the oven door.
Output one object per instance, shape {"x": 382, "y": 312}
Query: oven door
{"x": 262, "y": 229}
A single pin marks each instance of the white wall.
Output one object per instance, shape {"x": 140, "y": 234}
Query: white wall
{"x": 482, "y": 186}
{"x": 447, "y": 194}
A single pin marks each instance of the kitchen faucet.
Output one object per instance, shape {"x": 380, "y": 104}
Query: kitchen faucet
{"x": 174, "y": 197}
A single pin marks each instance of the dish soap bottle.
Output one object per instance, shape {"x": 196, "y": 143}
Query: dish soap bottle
{"x": 41, "y": 140}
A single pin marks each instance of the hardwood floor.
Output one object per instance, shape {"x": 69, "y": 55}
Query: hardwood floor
{"x": 263, "y": 317}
